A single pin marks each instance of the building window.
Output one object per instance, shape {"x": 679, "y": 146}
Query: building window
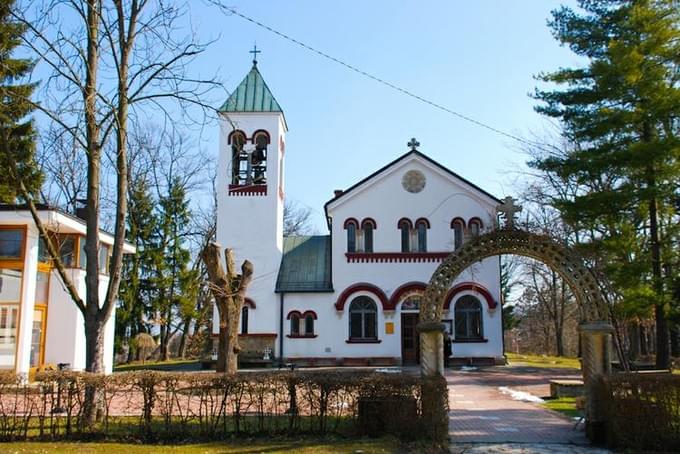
{"x": 363, "y": 319}
{"x": 309, "y": 325}
{"x": 351, "y": 226}
{"x": 458, "y": 226}
{"x": 259, "y": 157}
{"x": 468, "y": 318}
{"x": 104, "y": 259}
{"x": 239, "y": 158}
{"x": 10, "y": 296}
{"x": 475, "y": 226}
{"x": 244, "y": 320}
{"x": 421, "y": 234}
{"x": 368, "y": 225}
{"x": 42, "y": 288}
{"x": 11, "y": 243}
{"x": 294, "y": 324}
{"x": 405, "y": 227}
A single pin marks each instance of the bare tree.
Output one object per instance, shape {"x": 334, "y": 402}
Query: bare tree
{"x": 229, "y": 290}
{"x": 297, "y": 219}
{"x": 108, "y": 62}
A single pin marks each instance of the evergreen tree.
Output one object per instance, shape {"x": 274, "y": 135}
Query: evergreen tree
{"x": 138, "y": 286}
{"x": 623, "y": 111}
{"x": 17, "y": 146}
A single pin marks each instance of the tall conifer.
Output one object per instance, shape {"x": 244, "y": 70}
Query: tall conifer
{"x": 17, "y": 145}
{"x": 622, "y": 109}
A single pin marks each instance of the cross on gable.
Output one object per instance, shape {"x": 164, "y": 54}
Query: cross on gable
{"x": 255, "y": 52}
{"x": 507, "y": 209}
{"x": 414, "y": 144}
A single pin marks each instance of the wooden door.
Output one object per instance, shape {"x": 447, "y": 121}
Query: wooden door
{"x": 410, "y": 340}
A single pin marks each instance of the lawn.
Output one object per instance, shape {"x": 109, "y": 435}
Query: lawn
{"x": 564, "y": 405}
{"x": 375, "y": 445}
{"x": 170, "y": 365}
{"x": 543, "y": 361}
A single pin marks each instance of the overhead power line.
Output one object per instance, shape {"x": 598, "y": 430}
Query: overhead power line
{"x": 376, "y": 78}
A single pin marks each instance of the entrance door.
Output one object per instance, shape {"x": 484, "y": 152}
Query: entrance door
{"x": 410, "y": 341}
{"x": 38, "y": 337}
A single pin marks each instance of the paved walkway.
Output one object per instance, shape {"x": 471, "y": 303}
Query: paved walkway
{"x": 481, "y": 414}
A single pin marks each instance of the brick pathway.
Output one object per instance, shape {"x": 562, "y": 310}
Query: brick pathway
{"x": 480, "y": 413}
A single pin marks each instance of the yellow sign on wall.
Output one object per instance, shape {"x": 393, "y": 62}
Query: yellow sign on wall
{"x": 389, "y": 327}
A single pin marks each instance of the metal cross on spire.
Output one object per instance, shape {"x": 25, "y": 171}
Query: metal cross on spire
{"x": 414, "y": 144}
{"x": 254, "y": 52}
{"x": 507, "y": 210}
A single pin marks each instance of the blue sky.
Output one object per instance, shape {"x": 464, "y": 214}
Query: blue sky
{"x": 477, "y": 58}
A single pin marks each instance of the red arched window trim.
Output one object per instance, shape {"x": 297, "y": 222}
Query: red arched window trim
{"x": 423, "y": 221}
{"x": 260, "y": 132}
{"x": 250, "y": 303}
{"x": 405, "y": 289}
{"x": 349, "y": 221}
{"x": 370, "y": 221}
{"x": 471, "y": 286}
{"x": 292, "y": 313}
{"x": 460, "y": 221}
{"x": 407, "y": 221}
{"x": 476, "y": 220}
{"x": 234, "y": 133}
{"x": 362, "y": 287}
{"x": 306, "y": 313}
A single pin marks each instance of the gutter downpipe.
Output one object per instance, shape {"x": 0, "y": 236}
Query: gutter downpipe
{"x": 281, "y": 330}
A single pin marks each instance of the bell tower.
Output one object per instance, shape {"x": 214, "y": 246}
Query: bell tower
{"x": 250, "y": 187}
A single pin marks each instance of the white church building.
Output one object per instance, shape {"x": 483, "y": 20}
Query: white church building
{"x": 350, "y": 297}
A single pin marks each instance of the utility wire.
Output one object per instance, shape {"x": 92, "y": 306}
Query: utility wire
{"x": 377, "y": 79}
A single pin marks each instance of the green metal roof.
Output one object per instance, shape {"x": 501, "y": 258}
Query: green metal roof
{"x": 305, "y": 265}
{"x": 252, "y": 95}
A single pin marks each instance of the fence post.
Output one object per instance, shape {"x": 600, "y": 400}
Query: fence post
{"x": 595, "y": 363}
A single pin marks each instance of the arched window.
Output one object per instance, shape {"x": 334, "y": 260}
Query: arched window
{"x": 367, "y": 227}
{"x": 309, "y": 325}
{"x": 351, "y": 225}
{"x": 244, "y": 320}
{"x": 259, "y": 157}
{"x": 239, "y": 158}
{"x": 475, "y": 226}
{"x": 294, "y": 325}
{"x": 421, "y": 229}
{"x": 458, "y": 226}
{"x": 405, "y": 226}
{"x": 468, "y": 318}
{"x": 363, "y": 319}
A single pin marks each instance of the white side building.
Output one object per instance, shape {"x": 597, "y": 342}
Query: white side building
{"x": 39, "y": 323}
{"x": 350, "y": 297}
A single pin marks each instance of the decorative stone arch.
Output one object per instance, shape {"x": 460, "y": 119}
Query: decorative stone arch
{"x": 595, "y": 329}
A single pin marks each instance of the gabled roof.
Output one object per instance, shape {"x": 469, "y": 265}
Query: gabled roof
{"x": 399, "y": 159}
{"x": 305, "y": 265}
{"x": 252, "y": 95}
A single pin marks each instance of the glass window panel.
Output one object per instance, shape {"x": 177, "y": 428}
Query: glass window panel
{"x": 309, "y": 325}
{"x": 42, "y": 288}
{"x": 43, "y": 254}
{"x": 8, "y": 332}
{"x": 405, "y": 237}
{"x": 457, "y": 235}
{"x": 82, "y": 254}
{"x": 368, "y": 238}
{"x": 104, "y": 259}
{"x": 355, "y": 325}
{"x": 67, "y": 250}
{"x": 295, "y": 325}
{"x": 11, "y": 243}
{"x": 351, "y": 238}
{"x": 370, "y": 325}
{"x": 36, "y": 338}
{"x": 422, "y": 238}
{"x": 10, "y": 285}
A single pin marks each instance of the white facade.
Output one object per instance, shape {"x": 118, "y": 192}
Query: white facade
{"x": 320, "y": 277}
{"x": 39, "y": 323}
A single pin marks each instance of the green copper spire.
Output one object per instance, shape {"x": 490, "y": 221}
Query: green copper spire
{"x": 252, "y": 95}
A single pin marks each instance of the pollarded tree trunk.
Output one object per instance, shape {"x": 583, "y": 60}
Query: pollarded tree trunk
{"x": 229, "y": 290}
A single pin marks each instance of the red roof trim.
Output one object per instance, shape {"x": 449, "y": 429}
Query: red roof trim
{"x": 362, "y": 287}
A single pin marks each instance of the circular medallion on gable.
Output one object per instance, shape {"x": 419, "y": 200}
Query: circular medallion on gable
{"x": 413, "y": 181}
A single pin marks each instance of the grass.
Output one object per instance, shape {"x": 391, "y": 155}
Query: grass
{"x": 544, "y": 361}
{"x": 303, "y": 446}
{"x": 172, "y": 364}
{"x": 564, "y": 405}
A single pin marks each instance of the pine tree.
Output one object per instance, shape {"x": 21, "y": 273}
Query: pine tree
{"x": 623, "y": 110}
{"x": 17, "y": 145}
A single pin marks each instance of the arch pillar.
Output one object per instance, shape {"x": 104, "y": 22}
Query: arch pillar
{"x": 431, "y": 348}
{"x": 596, "y": 362}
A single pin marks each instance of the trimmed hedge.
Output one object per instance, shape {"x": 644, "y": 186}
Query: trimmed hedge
{"x": 155, "y": 406}
{"x": 642, "y": 411}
